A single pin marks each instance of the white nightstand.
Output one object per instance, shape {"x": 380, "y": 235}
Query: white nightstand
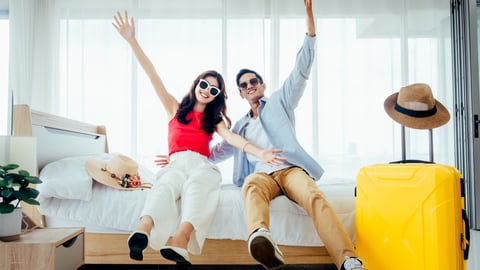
{"x": 49, "y": 248}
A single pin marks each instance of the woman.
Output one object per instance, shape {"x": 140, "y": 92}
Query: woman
{"x": 189, "y": 175}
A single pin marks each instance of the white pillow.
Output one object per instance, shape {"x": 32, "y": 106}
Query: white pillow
{"x": 67, "y": 178}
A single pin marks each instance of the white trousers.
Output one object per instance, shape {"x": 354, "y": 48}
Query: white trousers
{"x": 192, "y": 178}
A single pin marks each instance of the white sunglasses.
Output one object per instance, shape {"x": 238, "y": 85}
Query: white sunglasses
{"x": 212, "y": 90}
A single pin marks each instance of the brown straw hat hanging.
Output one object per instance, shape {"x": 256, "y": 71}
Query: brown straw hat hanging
{"x": 415, "y": 107}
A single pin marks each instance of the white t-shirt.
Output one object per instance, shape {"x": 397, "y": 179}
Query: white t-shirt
{"x": 255, "y": 134}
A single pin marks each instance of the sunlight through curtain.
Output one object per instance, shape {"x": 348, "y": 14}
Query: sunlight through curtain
{"x": 366, "y": 50}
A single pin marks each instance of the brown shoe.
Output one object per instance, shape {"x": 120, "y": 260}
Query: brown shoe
{"x": 264, "y": 250}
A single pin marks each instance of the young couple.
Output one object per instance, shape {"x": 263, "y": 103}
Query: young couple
{"x": 255, "y": 143}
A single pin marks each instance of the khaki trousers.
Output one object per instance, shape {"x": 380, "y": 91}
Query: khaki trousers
{"x": 260, "y": 188}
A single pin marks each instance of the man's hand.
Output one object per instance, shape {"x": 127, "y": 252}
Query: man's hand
{"x": 310, "y": 18}
{"x": 162, "y": 160}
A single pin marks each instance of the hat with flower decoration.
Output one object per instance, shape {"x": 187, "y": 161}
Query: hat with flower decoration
{"x": 120, "y": 172}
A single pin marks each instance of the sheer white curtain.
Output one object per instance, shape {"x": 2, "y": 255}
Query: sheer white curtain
{"x": 33, "y": 58}
{"x": 364, "y": 58}
{"x": 366, "y": 50}
{"x": 5, "y": 103}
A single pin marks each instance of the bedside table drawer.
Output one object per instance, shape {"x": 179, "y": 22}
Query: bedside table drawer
{"x": 69, "y": 255}
{"x": 46, "y": 249}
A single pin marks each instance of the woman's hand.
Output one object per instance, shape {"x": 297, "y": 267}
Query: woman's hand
{"x": 125, "y": 28}
{"x": 162, "y": 160}
{"x": 270, "y": 157}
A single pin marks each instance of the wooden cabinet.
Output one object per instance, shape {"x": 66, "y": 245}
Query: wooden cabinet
{"x": 49, "y": 248}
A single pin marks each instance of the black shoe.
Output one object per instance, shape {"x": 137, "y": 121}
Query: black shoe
{"x": 137, "y": 242}
{"x": 176, "y": 254}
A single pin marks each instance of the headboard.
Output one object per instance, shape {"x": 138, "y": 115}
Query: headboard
{"x": 57, "y": 137}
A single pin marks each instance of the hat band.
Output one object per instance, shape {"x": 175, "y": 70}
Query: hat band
{"x": 414, "y": 113}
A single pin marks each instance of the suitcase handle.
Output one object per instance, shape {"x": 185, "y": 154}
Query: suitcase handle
{"x": 404, "y": 151}
{"x": 467, "y": 234}
{"x": 411, "y": 161}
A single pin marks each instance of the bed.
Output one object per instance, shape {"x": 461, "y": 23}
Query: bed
{"x": 109, "y": 215}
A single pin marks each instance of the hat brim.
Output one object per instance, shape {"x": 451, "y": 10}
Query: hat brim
{"x": 94, "y": 169}
{"x": 440, "y": 118}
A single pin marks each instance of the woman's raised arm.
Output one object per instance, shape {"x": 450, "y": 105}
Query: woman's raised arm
{"x": 126, "y": 29}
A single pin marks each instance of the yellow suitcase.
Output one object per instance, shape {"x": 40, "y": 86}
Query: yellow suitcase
{"x": 411, "y": 216}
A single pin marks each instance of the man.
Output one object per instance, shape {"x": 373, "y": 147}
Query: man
{"x": 270, "y": 123}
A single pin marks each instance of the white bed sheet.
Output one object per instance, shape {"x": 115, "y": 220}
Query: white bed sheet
{"x": 115, "y": 211}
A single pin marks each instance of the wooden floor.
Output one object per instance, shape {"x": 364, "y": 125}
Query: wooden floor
{"x": 202, "y": 267}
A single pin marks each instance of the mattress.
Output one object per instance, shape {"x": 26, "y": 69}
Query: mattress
{"x": 115, "y": 211}
{"x": 69, "y": 197}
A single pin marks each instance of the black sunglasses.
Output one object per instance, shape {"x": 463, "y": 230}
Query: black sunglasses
{"x": 212, "y": 90}
{"x": 253, "y": 82}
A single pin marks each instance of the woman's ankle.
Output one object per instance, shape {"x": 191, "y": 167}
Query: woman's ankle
{"x": 145, "y": 224}
{"x": 182, "y": 235}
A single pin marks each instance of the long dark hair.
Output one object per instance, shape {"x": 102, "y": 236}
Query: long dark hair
{"x": 215, "y": 111}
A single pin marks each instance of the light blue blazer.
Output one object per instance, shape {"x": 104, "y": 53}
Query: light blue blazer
{"x": 278, "y": 118}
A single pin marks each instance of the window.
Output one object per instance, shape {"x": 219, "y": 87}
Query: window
{"x": 364, "y": 53}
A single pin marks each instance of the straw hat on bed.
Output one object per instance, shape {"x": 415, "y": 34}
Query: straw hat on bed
{"x": 120, "y": 172}
{"x": 415, "y": 107}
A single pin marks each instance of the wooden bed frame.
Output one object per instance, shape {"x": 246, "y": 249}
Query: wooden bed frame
{"x": 111, "y": 248}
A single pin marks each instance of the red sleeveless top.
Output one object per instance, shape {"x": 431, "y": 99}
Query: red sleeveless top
{"x": 190, "y": 136}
